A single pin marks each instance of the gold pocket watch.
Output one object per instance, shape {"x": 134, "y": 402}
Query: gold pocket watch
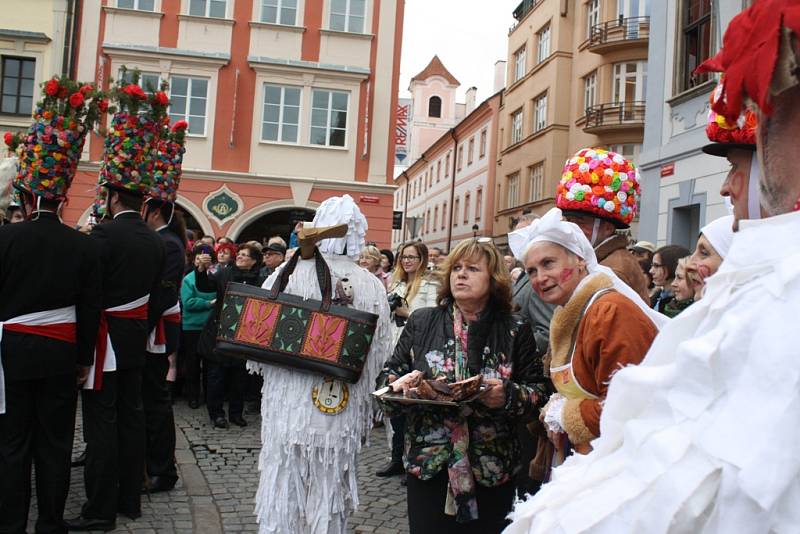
{"x": 330, "y": 396}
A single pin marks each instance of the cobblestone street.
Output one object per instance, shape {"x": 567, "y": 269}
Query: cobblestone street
{"x": 219, "y": 478}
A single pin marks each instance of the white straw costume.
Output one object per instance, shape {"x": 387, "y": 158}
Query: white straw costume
{"x": 308, "y": 458}
{"x": 701, "y": 437}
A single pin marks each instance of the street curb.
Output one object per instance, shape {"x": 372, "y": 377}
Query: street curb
{"x": 205, "y": 516}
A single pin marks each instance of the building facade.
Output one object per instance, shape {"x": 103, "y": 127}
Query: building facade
{"x": 680, "y": 183}
{"x": 445, "y": 195}
{"x": 289, "y": 102}
{"x": 577, "y": 77}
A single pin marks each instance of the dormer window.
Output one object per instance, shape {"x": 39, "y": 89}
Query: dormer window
{"x": 435, "y": 107}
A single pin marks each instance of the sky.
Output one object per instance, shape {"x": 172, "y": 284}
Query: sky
{"x": 469, "y": 36}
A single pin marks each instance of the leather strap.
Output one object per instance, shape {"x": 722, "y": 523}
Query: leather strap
{"x": 323, "y": 277}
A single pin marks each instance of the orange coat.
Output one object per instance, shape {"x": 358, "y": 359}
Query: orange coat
{"x": 612, "y": 333}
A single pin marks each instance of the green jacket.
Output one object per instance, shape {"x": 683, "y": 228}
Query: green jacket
{"x": 196, "y": 305}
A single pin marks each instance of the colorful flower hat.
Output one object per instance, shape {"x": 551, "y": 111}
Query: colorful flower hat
{"x": 602, "y": 184}
{"x": 131, "y": 144}
{"x": 168, "y": 162}
{"x": 724, "y": 135}
{"x": 50, "y": 150}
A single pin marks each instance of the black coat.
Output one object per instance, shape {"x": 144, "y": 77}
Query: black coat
{"x": 217, "y": 283}
{"x": 45, "y": 265}
{"x": 170, "y": 286}
{"x": 132, "y": 257}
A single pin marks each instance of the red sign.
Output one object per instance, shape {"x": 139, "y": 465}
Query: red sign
{"x": 369, "y": 199}
{"x": 668, "y": 169}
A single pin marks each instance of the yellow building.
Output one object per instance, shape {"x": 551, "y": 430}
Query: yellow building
{"x": 577, "y": 73}
{"x": 37, "y": 41}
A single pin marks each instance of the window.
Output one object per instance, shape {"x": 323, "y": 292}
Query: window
{"x": 428, "y": 222}
{"x": 456, "y": 205}
{"x": 447, "y": 165}
{"x": 348, "y": 15}
{"x": 328, "y": 117}
{"x": 630, "y": 89}
{"x": 513, "y": 190}
{"x": 471, "y": 151}
{"x": 589, "y": 91}
{"x": 279, "y": 11}
{"x": 592, "y": 17}
{"x": 519, "y": 63}
{"x": 438, "y": 171}
{"x": 149, "y": 81}
{"x": 425, "y": 182}
{"x": 696, "y": 40}
{"x": 516, "y": 126}
{"x": 629, "y": 151}
{"x": 435, "y": 107}
{"x": 478, "y": 204}
{"x": 543, "y": 44}
{"x": 17, "y": 85}
{"x": 188, "y": 97}
{"x": 142, "y": 5}
{"x": 540, "y": 113}
{"x": 435, "y": 218}
{"x": 444, "y": 216}
{"x": 281, "y": 120}
{"x": 482, "y": 148}
{"x": 631, "y": 14}
{"x": 208, "y": 8}
{"x": 460, "y": 153}
{"x": 536, "y": 175}
{"x": 466, "y": 208}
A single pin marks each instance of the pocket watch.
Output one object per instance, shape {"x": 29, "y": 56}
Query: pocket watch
{"x": 330, "y": 396}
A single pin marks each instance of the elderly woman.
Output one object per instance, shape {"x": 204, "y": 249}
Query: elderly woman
{"x": 601, "y": 324}
{"x": 682, "y": 289}
{"x": 460, "y": 461}
{"x": 370, "y": 259}
{"x": 712, "y": 247}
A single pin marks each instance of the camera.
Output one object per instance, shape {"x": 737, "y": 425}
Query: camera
{"x": 396, "y": 301}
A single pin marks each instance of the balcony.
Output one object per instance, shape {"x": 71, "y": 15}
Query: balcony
{"x": 618, "y": 116}
{"x": 620, "y": 33}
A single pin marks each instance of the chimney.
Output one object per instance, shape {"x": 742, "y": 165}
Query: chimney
{"x": 499, "y": 75}
{"x": 469, "y": 104}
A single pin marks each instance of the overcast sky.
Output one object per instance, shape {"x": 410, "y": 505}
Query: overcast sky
{"x": 468, "y": 35}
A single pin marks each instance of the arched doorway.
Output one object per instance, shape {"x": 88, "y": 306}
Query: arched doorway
{"x": 191, "y": 223}
{"x": 278, "y": 222}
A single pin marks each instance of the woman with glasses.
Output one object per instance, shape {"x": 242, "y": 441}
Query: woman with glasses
{"x": 461, "y": 461}
{"x": 665, "y": 261}
{"x": 413, "y": 287}
{"x": 219, "y": 369}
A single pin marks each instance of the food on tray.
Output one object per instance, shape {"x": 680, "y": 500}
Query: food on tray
{"x": 440, "y": 390}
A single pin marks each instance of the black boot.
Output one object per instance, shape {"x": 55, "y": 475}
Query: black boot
{"x": 395, "y": 467}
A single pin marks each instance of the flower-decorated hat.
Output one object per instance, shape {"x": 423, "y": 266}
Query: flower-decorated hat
{"x": 131, "y": 144}
{"x": 725, "y": 135}
{"x": 168, "y": 162}
{"x": 49, "y": 152}
{"x": 600, "y": 183}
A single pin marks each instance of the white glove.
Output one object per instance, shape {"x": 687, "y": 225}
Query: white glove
{"x": 553, "y": 413}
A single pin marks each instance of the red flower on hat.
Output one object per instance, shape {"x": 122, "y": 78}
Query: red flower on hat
{"x": 103, "y": 105}
{"x": 161, "y": 98}
{"x": 87, "y": 89}
{"x": 51, "y": 87}
{"x": 76, "y": 99}
{"x": 62, "y": 93}
{"x": 134, "y": 91}
{"x": 180, "y": 125}
{"x": 8, "y": 138}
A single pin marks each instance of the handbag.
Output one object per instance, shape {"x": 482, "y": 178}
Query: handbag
{"x": 273, "y": 327}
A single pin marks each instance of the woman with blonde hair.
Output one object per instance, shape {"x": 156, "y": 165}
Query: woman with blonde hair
{"x": 370, "y": 259}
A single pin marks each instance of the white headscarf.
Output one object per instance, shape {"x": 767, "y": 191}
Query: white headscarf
{"x": 553, "y": 229}
{"x": 719, "y": 233}
{"x": 342, "y": 210}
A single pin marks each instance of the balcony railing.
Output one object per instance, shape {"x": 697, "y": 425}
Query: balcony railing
{"x": 617, "y": 32}
{"x": 614, "y": 116}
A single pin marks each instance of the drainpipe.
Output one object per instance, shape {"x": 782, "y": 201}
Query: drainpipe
{"x": 452, "y": 189}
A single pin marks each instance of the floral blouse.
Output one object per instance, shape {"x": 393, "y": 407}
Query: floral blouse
{"x": 500, "y": 346}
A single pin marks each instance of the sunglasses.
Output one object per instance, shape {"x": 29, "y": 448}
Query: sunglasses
{"x": 482, "y": 239}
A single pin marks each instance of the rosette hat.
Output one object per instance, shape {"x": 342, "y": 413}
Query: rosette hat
{"x": 48, "y": 153}
{"x": 725, "y": 135}
{"x": 131, "y": 145}
{"x": 168, "y": 163}
{"x": 600, "y": 183}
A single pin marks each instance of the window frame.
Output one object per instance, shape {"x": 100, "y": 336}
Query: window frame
{"x": 482, "y": 145}
{"x": 589, "y": 91}
{"x": 456, "y": 208}
{"x": 540, "y": 112}
{"x": 281, "y": 107}
{"x": 520, "y": 62}
{"x": 467, "y": 198}
{"x": 438, "y": 102}
{"x": 207, "y": 9}
{"x": 512, "y": 200}
{"x": 19, "y": 78}
{"x": 185, "y": 116}
{"x": 279, "y": 7}
{"x": 687, "y": 80}
{"x": 592, "y": 16}
{"x": 136, "y": 6}
{"x": 347, "y": 16}
{"x": 438, "y": 171}
{"x": 447, "y": 165}
{"x": 328, "y": 126}
{"x": 460, "y": 156}
{"x": 543, "y": 44}
{"x": 517, "y": 120}
{"x": 478, "y": 203}
{"x": 536, "y": 182}
{"x": 444, "y": 216}
{"x": 471, "y": 151}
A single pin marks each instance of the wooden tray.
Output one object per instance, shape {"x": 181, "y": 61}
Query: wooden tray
{"x": 386, "y": 394}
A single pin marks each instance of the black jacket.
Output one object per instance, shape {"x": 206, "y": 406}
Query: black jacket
{"x": 132, "y": 257}
{"x": 217, "y": 282}
{"x": 170, "y": 286}
{"x": 46, "y": 265}
{"x": 534, "y": 310}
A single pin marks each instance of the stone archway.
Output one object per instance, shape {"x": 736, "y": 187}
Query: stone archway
{"x": 272, "y": 218}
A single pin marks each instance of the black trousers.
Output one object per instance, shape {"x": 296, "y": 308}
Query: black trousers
{"x": 113, "y": 428}
{"x": 235, "y": 374}
{"x": 398, "y": 436}
{"x": 37, "y": 427}
{"x": 159, "y": 419}
{"x": 190, "y": 364}
{"x": 426, "y": 500}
